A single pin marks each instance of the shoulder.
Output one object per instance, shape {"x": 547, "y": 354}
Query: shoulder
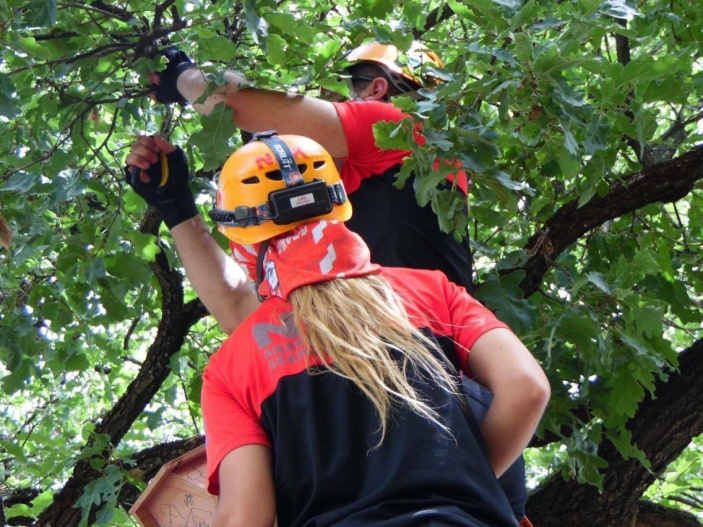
{"x": 417, "y": 282}
{"x": 371, "y": 111}
{"x": 242, "y": 341}
{"x": 424, "y": 292}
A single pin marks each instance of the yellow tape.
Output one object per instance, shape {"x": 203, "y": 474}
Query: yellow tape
{"x": 164, "y": 169}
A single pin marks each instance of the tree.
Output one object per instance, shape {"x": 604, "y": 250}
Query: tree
{"x": 578, "y": 123}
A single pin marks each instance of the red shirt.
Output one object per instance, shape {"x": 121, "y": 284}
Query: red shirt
{"x": 364, "y": 158}
{"x": 262, "y": 387}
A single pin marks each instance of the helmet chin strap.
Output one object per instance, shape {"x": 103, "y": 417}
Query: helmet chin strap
{"x": 263, "y": 248}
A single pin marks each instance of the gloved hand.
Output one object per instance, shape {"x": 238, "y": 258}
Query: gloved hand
{"x": 167, "y": 187}
{"x": 167, "y": 91}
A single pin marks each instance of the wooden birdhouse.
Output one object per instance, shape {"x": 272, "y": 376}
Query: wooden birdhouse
{"x": 177, "y": 496}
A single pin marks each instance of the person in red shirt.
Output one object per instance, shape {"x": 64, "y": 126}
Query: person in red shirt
{"x": 338, "y": 401}
{"x": 398, "y": 231}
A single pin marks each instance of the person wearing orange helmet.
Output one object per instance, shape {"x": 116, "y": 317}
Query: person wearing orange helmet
{"x": 398, "y": 231}
{"x": 337, "y": 402}
{"x": 406, "y": 76}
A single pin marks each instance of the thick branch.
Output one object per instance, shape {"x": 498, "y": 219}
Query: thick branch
{"x": 662, "y": 428}
{"x": 434, "y": 17}
{"x": 147, "y": 464}
{"x": 176, "y": 320}
{"x": 662, "y": 183}
{"x": 653, "y": 515}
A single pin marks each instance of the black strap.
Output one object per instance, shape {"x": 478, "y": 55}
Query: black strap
{"x": 284, "y": 156}
{"x": 244, "y": 216}
{"x": 263, "y": 248}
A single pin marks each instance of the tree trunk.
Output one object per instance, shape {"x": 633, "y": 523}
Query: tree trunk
{"x": 662, "y": 428}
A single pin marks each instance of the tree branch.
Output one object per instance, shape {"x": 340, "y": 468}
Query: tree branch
{"x": 662, "y": 428}
{"x": 662, "y": 183}
{"x": 175, "y": 323}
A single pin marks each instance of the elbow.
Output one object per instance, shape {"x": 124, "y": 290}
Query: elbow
{"x": 535, "y": 391}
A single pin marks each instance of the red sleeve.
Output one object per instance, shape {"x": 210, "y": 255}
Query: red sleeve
{"x": 230, "y": 420}
{"x": 469, "y": 320}
{"x": 445, "y": 308}
{"x": 364, "y": 158}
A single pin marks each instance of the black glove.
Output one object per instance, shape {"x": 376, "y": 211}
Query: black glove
{"x": 178, "y": 62}
{"x": 167, "y": 189}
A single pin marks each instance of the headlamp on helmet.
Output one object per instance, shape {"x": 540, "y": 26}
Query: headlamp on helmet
{"x": 275, "y": 183}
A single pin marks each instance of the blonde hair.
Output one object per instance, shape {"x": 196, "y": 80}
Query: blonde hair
{"x": 355, "y": 326}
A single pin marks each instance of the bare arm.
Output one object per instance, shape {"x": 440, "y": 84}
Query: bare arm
{"x": 247, "y": 496}
{"x": 218, "y": 280}
{"x": 259, "y": 110}
{"x": 221, "y": 284}
{"x": 520, "y": 394}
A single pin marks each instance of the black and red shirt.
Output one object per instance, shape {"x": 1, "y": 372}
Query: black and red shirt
{"x": 258, "y": 389}
{"x": 399, "y": 232}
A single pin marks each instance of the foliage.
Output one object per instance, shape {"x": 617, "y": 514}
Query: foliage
{"x": 544, "y": 103}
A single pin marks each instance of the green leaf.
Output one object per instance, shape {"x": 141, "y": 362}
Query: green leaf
{"x": 16, "y": 379}
{"x": 257, "y": 26}
{"x": 276, "y": 50}
{"x": 569, "y": 164}
{"x": 625, "y": 394}
{"x": 570, "y": 142}
{"x": 459, "y": 8}
{"x": 596, "y": 135}
{"x": 390, "y": 135}
{"x": 34, "y": 49}
{"x": 145, "y": 245}
{"x": 215, "y": 140}
{"x": 41, "y": 13}
{"x": 22, "y": 182}
{"x": 600, "y": 282}
{"x": 503, "y": 295}
{"x": 215, "y": 47}
{"x": 8, "y": 103}
{"x": 622, "y": 439}
{"x": 618, "y": 9}
{"x": 13, "y": 449}
{"x": 578, "y": 327}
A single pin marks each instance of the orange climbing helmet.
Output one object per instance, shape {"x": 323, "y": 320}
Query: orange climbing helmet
{"x": 407, "y": 71}
{"x": 274, "y": 183}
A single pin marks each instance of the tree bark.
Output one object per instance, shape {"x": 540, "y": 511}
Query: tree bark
{"x": 652, "y": 515}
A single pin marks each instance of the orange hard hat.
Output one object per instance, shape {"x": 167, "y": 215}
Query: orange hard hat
{"x": 400, "y": 71}
{"x": 274, "y": 183}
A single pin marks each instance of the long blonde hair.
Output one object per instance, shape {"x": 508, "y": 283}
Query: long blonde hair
{"x": 353, "y": 325}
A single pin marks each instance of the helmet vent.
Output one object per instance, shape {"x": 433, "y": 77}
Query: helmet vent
{"x": 319, "y": 164}
{"x": 251, "y": 180}
{"x": 274, "y": 175}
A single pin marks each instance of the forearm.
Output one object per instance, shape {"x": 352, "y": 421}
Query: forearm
{"x": 257, "y": 110}
{"x": 192, "y": 84}
{"x": 219, "y": 282}
{"x": 511, "y": 422}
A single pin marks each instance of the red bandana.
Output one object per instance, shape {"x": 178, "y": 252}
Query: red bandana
{"x": 310, "y": 253}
